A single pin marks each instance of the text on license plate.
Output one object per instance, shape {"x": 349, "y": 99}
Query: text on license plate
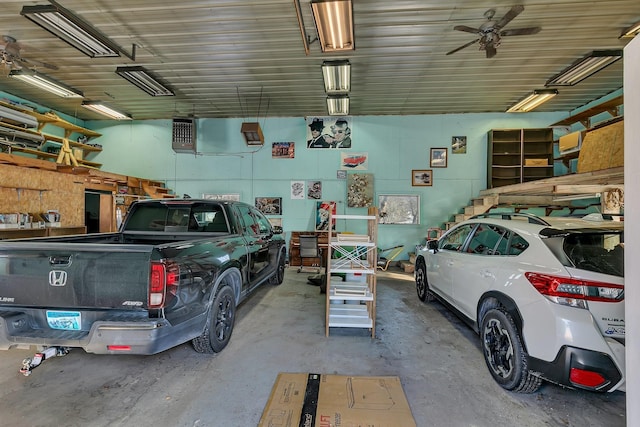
{"x": 66, "y": 320}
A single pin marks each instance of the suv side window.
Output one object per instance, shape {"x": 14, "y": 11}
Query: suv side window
{"x": 488, "y": 239}
{"x": 456, "y": 238}
{"x": 517, "y": 245}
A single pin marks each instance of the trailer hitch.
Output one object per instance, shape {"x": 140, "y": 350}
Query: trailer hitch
{"x": 29, "y": 364}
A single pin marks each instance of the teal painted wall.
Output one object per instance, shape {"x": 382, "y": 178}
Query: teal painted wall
{"x": 395, "y": 145}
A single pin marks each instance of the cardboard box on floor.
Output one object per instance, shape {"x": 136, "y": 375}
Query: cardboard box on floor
{"x": 319, "y": 400}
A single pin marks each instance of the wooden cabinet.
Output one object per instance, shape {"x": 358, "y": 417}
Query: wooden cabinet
{"x": 351, "y": 303}
{"x": 519, "y": 155}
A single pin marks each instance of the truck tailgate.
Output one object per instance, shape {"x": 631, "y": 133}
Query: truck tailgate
{"x": 67, "y": 275}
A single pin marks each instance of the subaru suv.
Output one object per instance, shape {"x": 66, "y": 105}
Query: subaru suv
{"x": 545, "y": 294}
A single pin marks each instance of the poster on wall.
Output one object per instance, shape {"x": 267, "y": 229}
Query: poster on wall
{"x": 269, "y": 205}
{"x": 314, "y": 190}
{"x": 360, "y": 190}
{"x": 329, "y": 132}
{"x": 234, "y": 196}
{"x": 354, "y": 161}
{"x": 323, "y": 209}
{"x": 297, "y": 190}
{"x": 283, "y": 150}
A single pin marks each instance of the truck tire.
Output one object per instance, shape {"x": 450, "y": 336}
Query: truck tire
{"x": 278, "y": 276}
{"x": 217, "y": 331}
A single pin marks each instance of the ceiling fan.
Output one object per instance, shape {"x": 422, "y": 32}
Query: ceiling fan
{"x": 10, "y": 56}
{"x": 491, "y": 32}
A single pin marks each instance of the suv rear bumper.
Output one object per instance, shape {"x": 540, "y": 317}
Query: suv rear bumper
{"x": 571, "y": 358}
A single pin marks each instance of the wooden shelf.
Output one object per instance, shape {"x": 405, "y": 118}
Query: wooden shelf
{"x": 612, "y": 107}
{"x": 66, "y": 155}
{"x": 519, "y": 155}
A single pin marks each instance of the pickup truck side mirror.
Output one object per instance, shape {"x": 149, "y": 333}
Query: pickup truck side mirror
{"x": 432, "y": 245}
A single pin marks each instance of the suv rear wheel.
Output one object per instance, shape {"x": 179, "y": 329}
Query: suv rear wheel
{"x": 504, "y": 353}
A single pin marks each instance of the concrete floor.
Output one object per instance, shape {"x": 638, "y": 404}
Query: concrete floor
{"x": 281, "y": 329}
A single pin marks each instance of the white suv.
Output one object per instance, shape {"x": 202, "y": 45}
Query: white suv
{"x": 545, "y": 294}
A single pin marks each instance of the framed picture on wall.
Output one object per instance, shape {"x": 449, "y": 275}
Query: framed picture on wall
{"x": 421, "y": 177}
{"x": 269, "y": 205}
{"x": 399, "y": 209}
{"x": 438, "y": 158}
{"x": 458, "y": 145}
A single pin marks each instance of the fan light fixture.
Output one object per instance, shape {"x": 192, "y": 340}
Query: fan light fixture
{"x": 63, "y": 24}
{"x": 338, "y": 105}
{"x": 334, "y": 22}
{"x": 585, "y": 67}
{"x": 46, "y": 83}
{"x": 252, "y": 133}
{"x": 143, "y": 79}
{"x": 632, "y": 31}
{"x": 337, "y": 76}
{"x": 105, "y": 110}
{"x": 532, "y": 101}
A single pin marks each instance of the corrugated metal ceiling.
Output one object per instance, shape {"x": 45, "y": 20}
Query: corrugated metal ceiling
{"x": 242, "y": 58}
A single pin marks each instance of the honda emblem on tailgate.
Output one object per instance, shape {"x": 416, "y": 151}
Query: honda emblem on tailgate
{"x": 57, "y": 278}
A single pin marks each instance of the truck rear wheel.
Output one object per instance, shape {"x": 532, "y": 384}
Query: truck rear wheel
{"x": 219, "y": 327}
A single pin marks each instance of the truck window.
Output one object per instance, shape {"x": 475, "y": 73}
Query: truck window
{"x": 250, "y": 225}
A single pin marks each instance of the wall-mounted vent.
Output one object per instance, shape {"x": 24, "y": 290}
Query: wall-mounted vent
{"x": 184, "y": 135}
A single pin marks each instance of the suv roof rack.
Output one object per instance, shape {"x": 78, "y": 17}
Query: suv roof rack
{"x": 533, "y": 219}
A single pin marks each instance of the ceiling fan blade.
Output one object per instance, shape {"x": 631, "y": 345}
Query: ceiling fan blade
{"x": 466, "y": 29}
{"x": 521, "y": 31}
{"x": 515, "y": 11}
{"x": 491, "y": 50}
{"x": 463, "y": 46}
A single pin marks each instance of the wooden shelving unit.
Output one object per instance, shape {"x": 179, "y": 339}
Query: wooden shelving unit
{"x": 66, "y": 155}
{"x": 519, "y": 155}
{"x": 352, "y": 303}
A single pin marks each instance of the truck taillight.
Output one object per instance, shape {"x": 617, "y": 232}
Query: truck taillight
{"x": 574, "y": 292}
{"x": 162, "y": 276}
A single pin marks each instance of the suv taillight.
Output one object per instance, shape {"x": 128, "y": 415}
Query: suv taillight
{"x": 574, "y": 292}
{"x": 160, "y": 278}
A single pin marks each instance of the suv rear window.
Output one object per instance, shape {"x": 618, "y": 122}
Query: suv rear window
{"x": 598, "y": 252}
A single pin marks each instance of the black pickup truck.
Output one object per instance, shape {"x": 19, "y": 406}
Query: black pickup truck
{"x": 173, "y": 273}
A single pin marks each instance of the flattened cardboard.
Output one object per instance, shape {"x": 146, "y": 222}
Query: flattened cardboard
{"x": 318, "y": 400}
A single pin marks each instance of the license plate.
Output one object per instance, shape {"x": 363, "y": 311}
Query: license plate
{"x": 65, "y": 320}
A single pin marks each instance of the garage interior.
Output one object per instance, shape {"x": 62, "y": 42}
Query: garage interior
{"x": 416, "y": 82}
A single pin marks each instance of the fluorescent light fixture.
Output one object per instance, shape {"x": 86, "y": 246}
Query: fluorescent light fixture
{"x": 105, "y": 110}
{"x": 143, "y": 79}
{"x": 532, "y": 101}
{"x": 46, "y": 83}
{"x": 334, "y": 22}
{"x": 337, "y": 76}
{"x": 63, "y": 24}
{"x": 252, "y": 133}
{"x": 338, "y": 105}
{"x": 585, "y": 67}
{"x": 631, "y": 32}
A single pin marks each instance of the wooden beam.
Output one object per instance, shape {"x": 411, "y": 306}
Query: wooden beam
{"x": 585, "y": 189}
